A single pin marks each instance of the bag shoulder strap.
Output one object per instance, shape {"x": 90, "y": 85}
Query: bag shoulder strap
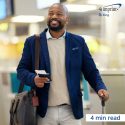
{"x": 37, "y": 56}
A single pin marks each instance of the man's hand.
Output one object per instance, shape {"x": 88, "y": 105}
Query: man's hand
{"x": 40, "y": 81}
{"x": 103, "y": 94}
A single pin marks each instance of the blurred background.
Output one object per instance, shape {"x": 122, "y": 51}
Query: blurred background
{"x": 102, "y": 27}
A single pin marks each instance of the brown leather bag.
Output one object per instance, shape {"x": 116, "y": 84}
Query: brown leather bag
{"x": 24, "y": 105}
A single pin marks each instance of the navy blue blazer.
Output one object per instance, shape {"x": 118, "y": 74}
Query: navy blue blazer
{"x": 77, "y": 60}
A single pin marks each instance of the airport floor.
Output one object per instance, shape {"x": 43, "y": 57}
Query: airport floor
{"x": 95, "y": 108}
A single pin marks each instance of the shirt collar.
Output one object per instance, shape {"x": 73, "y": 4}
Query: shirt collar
{"x": 48, "y": 35}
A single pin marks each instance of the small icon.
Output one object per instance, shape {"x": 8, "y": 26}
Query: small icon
{"x": 112, "y": 7}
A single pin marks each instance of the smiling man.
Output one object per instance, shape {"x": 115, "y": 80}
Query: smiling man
{"x": 57, "y": 20}
{"x": 65, "y": 56}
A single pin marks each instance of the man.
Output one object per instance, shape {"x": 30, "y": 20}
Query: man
{"x": 65, "y": 56}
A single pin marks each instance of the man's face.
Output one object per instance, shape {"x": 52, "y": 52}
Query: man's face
{"x": 57, "y": 18}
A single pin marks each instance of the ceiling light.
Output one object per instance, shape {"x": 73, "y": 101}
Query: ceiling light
{"x": 80, "y": 8}
{"x": 27, "y": 19}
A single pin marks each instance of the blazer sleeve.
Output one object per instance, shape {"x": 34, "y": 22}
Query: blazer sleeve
{"x": 24, "y": 69}
{"x": 91, "y": 73}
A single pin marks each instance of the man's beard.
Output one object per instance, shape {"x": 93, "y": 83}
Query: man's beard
{"x": 58, "y": 28}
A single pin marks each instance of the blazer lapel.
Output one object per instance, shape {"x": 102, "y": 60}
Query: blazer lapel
{"x": 67, "y": 55}
{"x": 44, "y": 50}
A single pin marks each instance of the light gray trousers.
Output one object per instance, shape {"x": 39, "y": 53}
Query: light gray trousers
{"x": 59, "y": 115}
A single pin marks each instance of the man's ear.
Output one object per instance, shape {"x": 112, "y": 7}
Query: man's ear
{"x": 67, "y": 20}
